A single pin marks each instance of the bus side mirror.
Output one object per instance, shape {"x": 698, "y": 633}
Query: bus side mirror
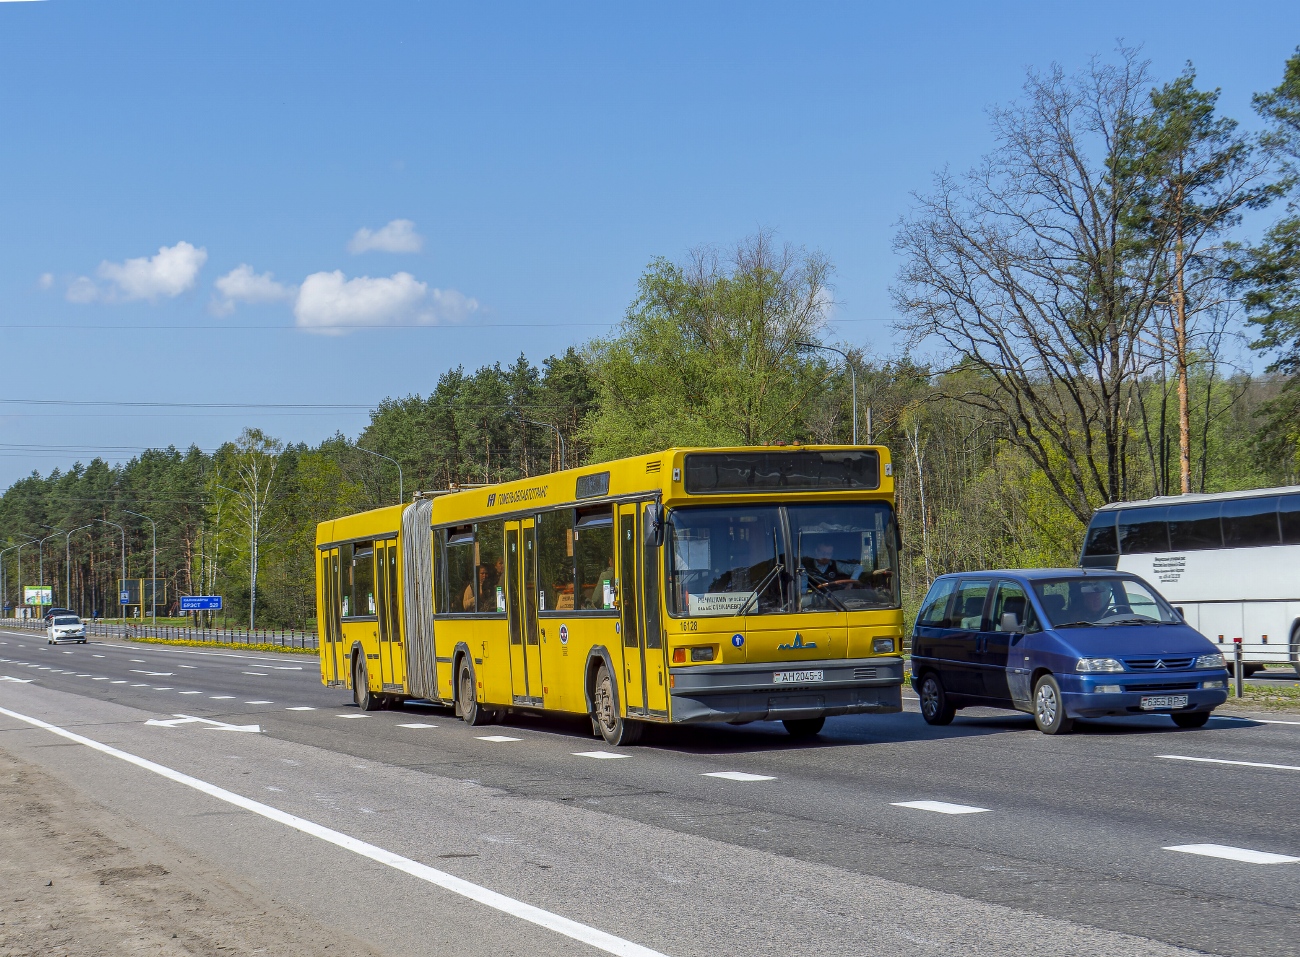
{"x": 654, "y": 524}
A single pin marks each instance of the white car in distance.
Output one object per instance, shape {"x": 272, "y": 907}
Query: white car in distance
{"x": 65, "y": 628}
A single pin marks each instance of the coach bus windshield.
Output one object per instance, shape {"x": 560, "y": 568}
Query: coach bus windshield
{"x": 767, "y": 559}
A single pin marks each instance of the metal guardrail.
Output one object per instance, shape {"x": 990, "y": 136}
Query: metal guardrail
{"x": 283, "y": 637}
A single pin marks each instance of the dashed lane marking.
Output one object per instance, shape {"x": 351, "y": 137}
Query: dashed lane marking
{"x": 498, "y": 738}
{"x": 300, "y": 707}
{"x": 417, "y": 725}
{"x": 352, "y": 716}
{"x": 140, "y": 686}
{"x": 221, "y": 697}
{"x": 260, "y": 674}
{"x": 119, "y": 681}
{"x": 163, "y": 689}
{"x": 189, "y": 692}
{"x": 599, "y": 755}
{"x": 940, "y": 807}
{"x": 153, "y": 674}
{"x": 574, "y": 930}
{"x": 1244, "y": 764}
{"x": 259, "y": 702}
{"x": 738, "y": 776}
{"x": 1223, "y": 851}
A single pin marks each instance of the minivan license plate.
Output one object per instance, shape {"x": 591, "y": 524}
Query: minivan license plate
{"x": 1152, "y": 702}
{"x": 786, "y": 677}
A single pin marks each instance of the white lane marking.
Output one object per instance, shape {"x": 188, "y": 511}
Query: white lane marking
{"x": 583, "y": 933}
{"x": 737, "y": 776}
{"x": 221, "y": 697}
{"x": 499, "y": 738}
{"x": 138, "y": 661}
{"x": 21, "y": 681}
{"x": 1244, "y": 764}
{"x": 300, "y": 708}
{"x": 599, "y": 755}
{"x": 97, "y": 656}
{"x": 190, "y": 719}
{"x": 140, "y": 686}
{"x": 153, "y": 674}
{"x": 105, "y": 678}
{"x": 191, "y": 667}
{"x": 288, "y": 668}
{"x": 189, "y": 692}
{"x": 941, "y": 807}
{"x": 259, "y": 702}
{"x": 1226, "y": 717}
{"x": 65, "y": 652}
{"x": 120, "y": 681}
{"x": 81, "y": 676}
{"x": 352, "y": 716}
{"x": 417, "y": 725}
{"x": 260, "y": 674}
{"x": 162, "y": 689}
{"x": 1233, "y": 853}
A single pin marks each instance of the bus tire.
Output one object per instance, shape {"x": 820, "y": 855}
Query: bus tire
{"x": 614, "y": 728}
{"x": 471, "y": 712}
{"x": 800, "y": 728}
{"x": 936, "y": 709}
{"x": 1295, "y": 650}
{"x": 362, "y": 696}
{"x": 1049, "y": 707}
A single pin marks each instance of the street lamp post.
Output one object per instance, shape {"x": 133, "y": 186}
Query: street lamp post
{"x": 122, "y": 580}
{"x": 401, "y": 490}
{"x": 153, "y": 582}
{"x": 67, "y": 547}
{"x": 4, "y": 578}
{"x": 549, "y": 425}
{"x": 853, "y": 378}
{"x": 19, "y": 546}
{"x": 41, "y": 549}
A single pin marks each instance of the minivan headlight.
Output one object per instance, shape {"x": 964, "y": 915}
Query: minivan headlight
{"x": 1098, "y": 664}
{"x": 1210, "y": 661}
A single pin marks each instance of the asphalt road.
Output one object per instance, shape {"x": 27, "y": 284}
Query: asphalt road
{"x": 420, "y": 835}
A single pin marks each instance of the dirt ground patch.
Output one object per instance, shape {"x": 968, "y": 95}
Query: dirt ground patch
{"x": 77, "y": 880}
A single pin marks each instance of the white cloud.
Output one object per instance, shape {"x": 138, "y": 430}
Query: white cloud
{"x": 46, "y": 280}
{"x": 399, "y": 236}
{"x": 241, "y": 284}
{"x": 329, "y": 302}
{"x": 169, "y": 274}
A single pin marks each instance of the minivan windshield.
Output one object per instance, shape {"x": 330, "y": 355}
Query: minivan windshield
{"x": 1097, "y": 600}
{"x": 765, "y": 559}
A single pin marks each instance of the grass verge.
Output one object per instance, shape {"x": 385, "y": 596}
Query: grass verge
{"x": 1262, "y": 698}
{"x": 233, "y": 645}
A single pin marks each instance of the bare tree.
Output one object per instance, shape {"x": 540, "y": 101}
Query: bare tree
{"x": 1028, "y": 272}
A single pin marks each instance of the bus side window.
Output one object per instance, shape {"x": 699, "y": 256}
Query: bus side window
{"x": 1143, "y": 530}
{"x": 555, "y": 558}
{"x": 1288, "y": 513}
{"x": 462, "y": 573}
{"x": 440, "y": 571}
{"x": 1250, "y": 522}
{"x": 593, "y": 548}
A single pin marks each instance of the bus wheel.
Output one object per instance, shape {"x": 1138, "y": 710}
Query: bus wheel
{"x": 614, "y": 728}
{"x": 471, "y": 712}
{"x": 1295, "y": 650}
{"x": 804, "y": 727}
{"x": 362, "y": 696}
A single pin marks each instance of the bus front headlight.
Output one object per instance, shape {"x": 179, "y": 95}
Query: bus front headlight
{"x": 1210, "y": 661}
{"x": 882, "y": 646}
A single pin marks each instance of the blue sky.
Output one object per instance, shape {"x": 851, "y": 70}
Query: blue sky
{"x": 534, "y": 158}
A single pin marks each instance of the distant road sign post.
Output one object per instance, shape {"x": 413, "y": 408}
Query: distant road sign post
{"x": 200, "y": 603}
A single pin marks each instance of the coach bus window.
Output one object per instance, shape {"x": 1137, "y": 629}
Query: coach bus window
{"x": 1250, "y": 522}
{"x": 728, "y": 560}
{"x": 1288, "y": 513}
{"x": 491, "y": 573}
{"x": 345, "y": 581}
{"x": 461, "y": 572}
{"x": 845, "y": 556}
{"x": 593, "y": 548}
{"x": 363, "y": 579}
{"x": 1143, "y": 530}
{"x": 555, "y": 559}
{"x": 1101, "y": 545}
{"x": 1194, "y": 526}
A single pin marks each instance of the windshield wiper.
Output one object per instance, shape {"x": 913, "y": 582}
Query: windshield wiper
{"x": 753, "y": 597}
{"x": 824, "y": 589}
{"x": 1140, "y": 620}
{"x": 1077, "y": 624}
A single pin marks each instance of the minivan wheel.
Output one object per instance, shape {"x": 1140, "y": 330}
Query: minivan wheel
{"x": 935, "y": 706}
{"x": 1049, "y": 707}
{"x": 1191, "y": 719}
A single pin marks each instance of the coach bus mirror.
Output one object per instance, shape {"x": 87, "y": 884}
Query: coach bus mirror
{"x": 654, "y": 524}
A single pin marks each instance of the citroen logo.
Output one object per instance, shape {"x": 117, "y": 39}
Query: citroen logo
{"x": 798, "y": 644}
{"x": 1160, "y": 663}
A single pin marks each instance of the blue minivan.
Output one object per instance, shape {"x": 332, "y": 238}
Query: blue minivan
{"x": 1061, "y": 644}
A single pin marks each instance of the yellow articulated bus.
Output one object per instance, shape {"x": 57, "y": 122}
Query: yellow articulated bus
{"x": 688, "y": 586}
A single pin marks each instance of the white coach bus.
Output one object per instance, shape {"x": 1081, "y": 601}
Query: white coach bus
{"x": 1230, "y": 562}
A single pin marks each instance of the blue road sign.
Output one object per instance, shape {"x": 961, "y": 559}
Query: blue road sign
{"x": 126, "y": 597}
{"x": 200, "y": 603}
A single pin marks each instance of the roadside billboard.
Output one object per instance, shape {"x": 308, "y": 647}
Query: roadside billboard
{"x": 38, "y": 595}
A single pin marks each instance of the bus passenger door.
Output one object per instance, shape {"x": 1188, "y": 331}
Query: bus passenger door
{"x": 514, "y": 612}
{"x": 328, "y": 626}
{"x": 629, "y": 608}
{"x": 396, "y": 654}
{"x": 656, "y": 666}
{"x": 532, "y": 646}
{"x": 381, "y": 611}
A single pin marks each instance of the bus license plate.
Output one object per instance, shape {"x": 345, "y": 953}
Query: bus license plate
{"x": 786, "y": 677}
{"x": 1152, "y": 702}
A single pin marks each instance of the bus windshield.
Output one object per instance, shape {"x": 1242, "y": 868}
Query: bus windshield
{"x": 765, "y": 559}
{"x": 1084, "y": 602}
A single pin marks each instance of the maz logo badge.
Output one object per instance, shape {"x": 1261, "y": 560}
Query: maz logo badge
{"x": 798, "y": 645}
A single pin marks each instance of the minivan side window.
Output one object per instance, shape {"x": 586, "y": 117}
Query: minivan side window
{"x": 1011, "y": 598}
{"x": 936, "y": 603}
{"x": 968, "y": 605}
